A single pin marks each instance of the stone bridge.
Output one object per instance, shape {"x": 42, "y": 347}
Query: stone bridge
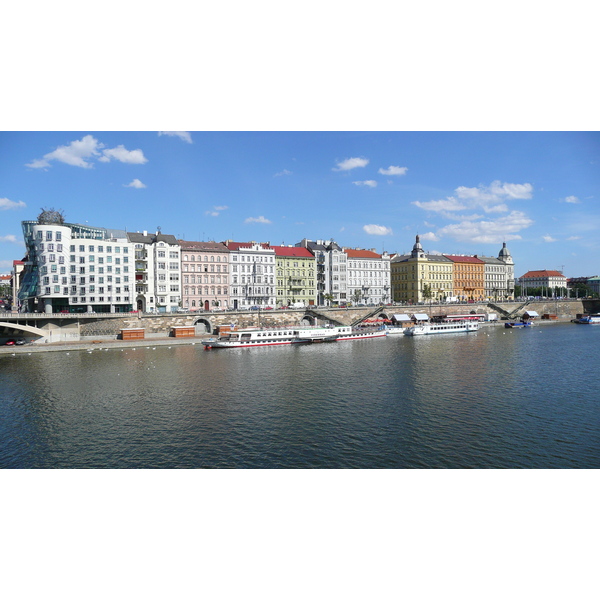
{"x": 76, "y": 327}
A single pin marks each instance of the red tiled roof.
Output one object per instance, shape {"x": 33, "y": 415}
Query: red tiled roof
{"x": 463, "y": 259}
{"x": 361, "y": 253}
{"x": 538, "y": 274}
{"x": 293, "y": 251}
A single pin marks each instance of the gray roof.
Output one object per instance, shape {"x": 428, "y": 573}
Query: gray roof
{"x": 490, "y": 260}
{"x": 151, "y": 238}
{"x": 207, "y": 246}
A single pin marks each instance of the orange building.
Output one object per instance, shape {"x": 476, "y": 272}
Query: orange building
{"x": 468, "y": 277}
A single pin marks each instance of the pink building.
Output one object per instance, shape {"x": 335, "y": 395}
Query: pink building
{"x": 205, "y": 273}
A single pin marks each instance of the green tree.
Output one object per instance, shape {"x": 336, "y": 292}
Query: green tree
{"x": 427, "y": 292}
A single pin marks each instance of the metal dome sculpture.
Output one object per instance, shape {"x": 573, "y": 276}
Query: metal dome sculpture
{"x": 49, "y": 216}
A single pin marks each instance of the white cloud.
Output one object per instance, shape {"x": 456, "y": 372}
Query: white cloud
{"x": 572, "y": 200}
{"x": 377, "y": 230}
{"x": 74, "y": 154}
{"x": 6, "y": 204}
{"x": 574, "y": 237}
{"x": 549, "y": 238}
{"x": 391, "y": 170}
{"x": 11, "y": 239}
{"x": 257, "y": 220}
{"x": 449, "y": 204}
{"x": 351, "y": 163}
{"x": 503, "y": 229}
{"x": 496, "y": 192}
{"x": 369, "y": 183}
{"x": 490, "y": 199}
{"x": 78, "y": 152}
{"x": 136, "y": 183}
{"x": 216, "y": 210}
{"x": 120, "y": 153}
{"x": 182, "y": 135}
{"x": 430, "y": 237}
{"x": 284, "y": 172}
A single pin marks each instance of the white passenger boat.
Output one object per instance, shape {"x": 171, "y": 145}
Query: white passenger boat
{"x": 442, "y": 327}
{"x": 394, "y": 329}
{"x": 253, "y": 337}
{"x": 357, "y": 333}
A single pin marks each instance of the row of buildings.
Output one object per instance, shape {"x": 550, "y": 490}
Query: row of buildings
{"x": 78, "y": 268}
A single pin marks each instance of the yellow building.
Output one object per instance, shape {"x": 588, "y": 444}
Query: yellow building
{"x": 419, "y": 277}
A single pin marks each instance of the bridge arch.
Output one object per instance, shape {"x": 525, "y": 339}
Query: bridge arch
{"x": 203, "y": 325}
{"x": 24, "y": 328}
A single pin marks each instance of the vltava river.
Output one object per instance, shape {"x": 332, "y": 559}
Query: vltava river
{"x": 497, "y": 398}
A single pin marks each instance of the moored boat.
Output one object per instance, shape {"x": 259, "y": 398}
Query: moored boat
{"x": 518, "y": 324}
{"x": 442, "y": 327}
{"x": 588, "y": 320}
{"x": 346, "y": 332}
{"x": 394, "y": 329}
{"x": 253, "y": 337}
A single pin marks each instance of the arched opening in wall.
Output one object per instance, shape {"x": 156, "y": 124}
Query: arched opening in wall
{"x": 307, "y": 321}
{"x": 141, "y": 304}
{"x": 203, "y": 326}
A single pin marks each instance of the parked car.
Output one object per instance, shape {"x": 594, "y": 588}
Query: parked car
{"x": 10, "y": 342}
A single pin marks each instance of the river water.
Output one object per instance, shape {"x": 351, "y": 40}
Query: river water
{"x": 497, "y": 398}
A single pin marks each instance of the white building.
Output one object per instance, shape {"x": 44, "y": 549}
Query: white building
{"x": 252, "y": 274}
{"x": 75, "y": 268}
{"x": 157, "y": 271}
{"x": 553, "y": 283}
{"x": 332, "y": 274}
{"x": 499, "y": 275}
{"x": 368, "y": 276}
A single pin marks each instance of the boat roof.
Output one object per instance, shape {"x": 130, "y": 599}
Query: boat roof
{"x": 421, "y": 317}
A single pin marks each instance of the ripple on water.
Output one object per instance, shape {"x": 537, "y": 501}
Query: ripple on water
{"x": 461, "y": 401}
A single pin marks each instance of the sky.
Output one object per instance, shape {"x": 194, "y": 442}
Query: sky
{"x": 462, "y": 192}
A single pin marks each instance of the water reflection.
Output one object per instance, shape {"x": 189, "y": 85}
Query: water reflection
{"x": 498, "y": 398}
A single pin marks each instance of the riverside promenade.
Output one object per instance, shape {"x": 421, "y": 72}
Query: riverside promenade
{"x": 118, "y": 344}
{"x": 82, "y": 330}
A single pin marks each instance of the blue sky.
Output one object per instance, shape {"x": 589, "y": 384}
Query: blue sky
{"x": 463, "y": 192}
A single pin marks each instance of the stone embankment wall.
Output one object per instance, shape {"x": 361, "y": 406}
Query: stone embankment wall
{"x": 56, "y": 328}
